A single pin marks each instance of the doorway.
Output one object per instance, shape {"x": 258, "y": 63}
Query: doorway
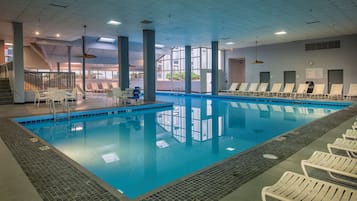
{"x": 236, "y": 71}
{"x": 334, "y": 77}
{"x": 289, "y": 77}
{"x": 264, "y": 77}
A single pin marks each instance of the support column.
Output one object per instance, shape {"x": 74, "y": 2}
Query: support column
{"x": 69, "y": 48}
{"x": 123, "y": 61}
{"x": 18, "y": 57}
{"x": 84, "y": 67}
{"x": 149, "y": 65}
{"x": 58, "y": 67}
{"x": 69, "y": 80}
{"x": 2, "y": 51}
{"x": 187, "y": 69}
{"x": 214, "y": 84}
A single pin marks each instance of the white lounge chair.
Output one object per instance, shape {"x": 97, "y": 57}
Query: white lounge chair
{"x": 297, "y": 187}
{"x": 354, "y": 126}
{"x": 350, "y": 134}
{"x": 232, "y": 88}
{"x": 252, "y": 88}
{"x": 242, "y": 88}
{"x": 274, "y": 90}
{"x": 349, "y": 146}
{"x": 288, "y": 89}
{"x": 301, "y": 91}
{"x": 261, "y": 89}
{"x": 352, "y": 91}
{"x": 336, "y": 91}
{"x": 333, "y": 164}
{"x": 318, "y": 91}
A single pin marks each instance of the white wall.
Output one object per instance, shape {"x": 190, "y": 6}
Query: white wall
{"x": 292, "y": 56}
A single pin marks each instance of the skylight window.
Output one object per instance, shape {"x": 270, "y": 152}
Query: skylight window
{"x": 106, "y": 40}
{"x": 113, "y": 22}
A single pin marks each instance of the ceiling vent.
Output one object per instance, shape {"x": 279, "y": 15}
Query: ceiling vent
{"x": 323, "y": 45}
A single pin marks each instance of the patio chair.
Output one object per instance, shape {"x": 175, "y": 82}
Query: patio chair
{"x": 261, "y": 89}
{"x": 288, "y": 90}
{"x": 293, "y": 186}
{"x": 242, "y": 88}
{"x": 350, "y": 134}
{"x": 318, "y": 91}
{"x": 348, "y": 146}
{"x": 117, "y": 95}
{"x": 96, "y": 88}
{"x": 232, "y": 88}
{"x": 38, "y": 97}
{"x": 336, "y": 91}
{"x": 301, "y": 91}
{"x": 105, "y": 86}
{"x": 115, "y": 85}
{"x": 352, "y": 91}
{"x": 274, "y": 90}
{"x": 334, "y": 165}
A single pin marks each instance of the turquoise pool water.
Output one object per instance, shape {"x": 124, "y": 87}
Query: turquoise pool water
{"x": 139, "y": 151}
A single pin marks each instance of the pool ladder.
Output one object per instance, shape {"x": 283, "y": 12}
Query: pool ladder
{"x": 65, "y": 107}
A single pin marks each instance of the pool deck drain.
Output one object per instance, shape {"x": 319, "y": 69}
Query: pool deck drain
{"x": 56, "y": 178}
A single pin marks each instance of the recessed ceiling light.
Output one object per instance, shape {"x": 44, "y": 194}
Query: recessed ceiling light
{"x": 106, "y": 40}
{"x": 58, "y": 35}
{"x": 280, "y": 33}
{"x": 37, "y": 33}
{"x": 113, "y": 22}
{"x": 159, "y": 46}
{"x": 230, "y": 43}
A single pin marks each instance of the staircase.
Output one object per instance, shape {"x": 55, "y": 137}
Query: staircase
{"x": 5, "y": 92}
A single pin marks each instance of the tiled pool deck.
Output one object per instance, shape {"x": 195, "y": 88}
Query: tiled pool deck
{"x": 239, "y": 178}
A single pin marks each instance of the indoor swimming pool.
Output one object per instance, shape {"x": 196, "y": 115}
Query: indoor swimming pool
{"x": 138, "y": 151}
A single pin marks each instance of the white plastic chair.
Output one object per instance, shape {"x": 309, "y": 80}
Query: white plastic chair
{"x": 292, "y": 187}
{"x": 242, "y": 88}
{"x": 274, "y": 90}
{"x": 318, "y": 91}
{"x": 261, "y": 89}
{"x": 38, "y": 97}
{"x": 333, "y": 164}
{"x": 349, "y": 146}
{"x": 252, "y": 88}
{"x": 301, "y": 91}
{"x": 288, "y": 89}
{"x": 352, "y": 91}
{"x": 232, "y": 88}
{"x": 350, "y": 134}
{"x": 336, "y": 91}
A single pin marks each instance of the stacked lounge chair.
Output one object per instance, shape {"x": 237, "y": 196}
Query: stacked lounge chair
{"x": 293, "y": 186}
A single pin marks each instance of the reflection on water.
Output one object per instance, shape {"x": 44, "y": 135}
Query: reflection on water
{"x": 140, "y": 151}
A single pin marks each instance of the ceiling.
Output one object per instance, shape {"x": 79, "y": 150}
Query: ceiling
{"x": 182, "y": 22}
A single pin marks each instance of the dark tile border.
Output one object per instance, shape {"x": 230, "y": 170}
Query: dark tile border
{"x": 56, "y": 178}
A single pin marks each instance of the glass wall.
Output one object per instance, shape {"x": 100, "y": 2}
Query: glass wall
{"x": 172, "y": 66}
